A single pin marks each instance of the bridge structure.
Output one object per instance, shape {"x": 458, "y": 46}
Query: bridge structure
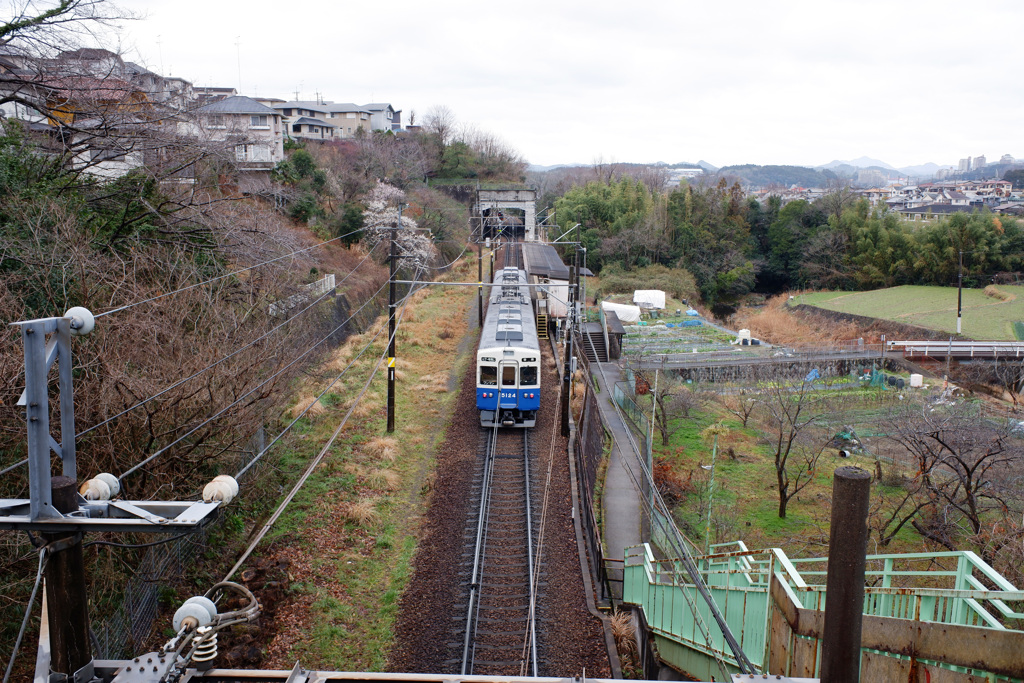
{"x": 958, "y": 350}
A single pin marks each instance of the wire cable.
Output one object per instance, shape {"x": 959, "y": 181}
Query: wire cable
{"x": 250, "y": 392}
{"x": 230, "y": 355}
{"x": 298, "y": 417}
{"x": 226, "y": 275}
{"x": 323, "y": 452}
{"x": 28, "y": 613}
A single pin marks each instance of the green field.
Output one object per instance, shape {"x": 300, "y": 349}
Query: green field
{"x": 984, "y": 317}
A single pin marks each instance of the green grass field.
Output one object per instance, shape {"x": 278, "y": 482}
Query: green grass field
{"x": 984, "y": 317}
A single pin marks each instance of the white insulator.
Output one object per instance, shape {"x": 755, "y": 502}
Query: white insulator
{"x": 82, "y": 320}
{"x": 191, "y": 615}
{"x": 205, "y": 643}
{"x": 218, "y": 491}
{"x": 95, "y": 489}
{"x": 230, "y": 481}
{"x": 111, "y": 481}
{"x": 205, "y": 602}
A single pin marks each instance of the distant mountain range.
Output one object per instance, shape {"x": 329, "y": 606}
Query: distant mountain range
{"x": 838, "y": 166}
{"x": 925, "y": 170}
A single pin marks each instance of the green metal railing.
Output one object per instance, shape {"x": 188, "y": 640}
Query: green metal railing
{"x": 946, "y": 588}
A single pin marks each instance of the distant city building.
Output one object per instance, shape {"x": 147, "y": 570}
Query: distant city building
{"x": 1006, "y": 159}
{"x": 979, "y": 162}
{"x": 965, "y": 165}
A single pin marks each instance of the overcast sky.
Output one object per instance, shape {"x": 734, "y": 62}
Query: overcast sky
{"x": 765, "y": 82}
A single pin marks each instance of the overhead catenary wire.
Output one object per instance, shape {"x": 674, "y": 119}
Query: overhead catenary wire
{"x": 227, "y": 357}
{"x": 226, "y": 275}
{"x": 251, "y": 391}
{"x": 323, "y": 452}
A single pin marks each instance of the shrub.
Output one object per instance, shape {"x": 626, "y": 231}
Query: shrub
{"x": 678, "y": 283}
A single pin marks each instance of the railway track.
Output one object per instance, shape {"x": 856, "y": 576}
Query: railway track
{"x": 499, "y": 632}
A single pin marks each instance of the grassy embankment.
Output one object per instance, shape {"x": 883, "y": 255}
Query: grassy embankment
{"x": 351, "y": 532}
{"x": 988, "y": 314}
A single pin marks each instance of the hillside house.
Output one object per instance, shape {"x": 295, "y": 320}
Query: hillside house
{"x": 384, "y": 117}
{"x": 252, "y": 130}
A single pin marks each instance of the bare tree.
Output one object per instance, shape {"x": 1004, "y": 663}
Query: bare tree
{"x": 791, "y": 416}
{"x": 440, "y": 121}
{"x": 741, "y": 403}
{"x": 960, "y": 457}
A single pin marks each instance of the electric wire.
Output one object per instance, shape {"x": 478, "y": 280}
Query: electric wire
{"x": 312, "y": 403}
{"x": 227, "y": 357}
{"x": 147, "y": 545}
{"x": 250, "y": 392}
{"x": 226, "y": 275}
{"x": 28, "y": 613}
{"x": 323, "y": 452}
{"x": 207, "y": 368}
{"x": 673, "y": 533}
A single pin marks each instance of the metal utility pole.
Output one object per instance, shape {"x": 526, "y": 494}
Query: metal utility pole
{"x": 392, "y": 296}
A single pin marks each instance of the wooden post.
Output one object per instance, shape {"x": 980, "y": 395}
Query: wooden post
{"x": 65, "y": 588}
{"x": 844, "y": 586}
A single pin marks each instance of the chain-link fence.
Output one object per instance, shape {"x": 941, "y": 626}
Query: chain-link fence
{"x": 125, "y": 633}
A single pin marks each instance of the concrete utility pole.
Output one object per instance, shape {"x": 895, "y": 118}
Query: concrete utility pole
{"x": 959, "y": 293}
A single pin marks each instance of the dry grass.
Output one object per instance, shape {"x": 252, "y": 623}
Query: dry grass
{"x": 361, "y": 512}
{"x": 436, "y": 383}
{"x": 385, "y": 447}
{"x": 384, "y": 480}
{"x": 996, "y": 293}
{"x": 624, "y": 632}
{"x": 776, "y": 324}
{"x": 304, "y": 401}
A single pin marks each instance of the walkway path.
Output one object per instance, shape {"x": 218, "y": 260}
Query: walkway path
{"x": 622, "y": 512}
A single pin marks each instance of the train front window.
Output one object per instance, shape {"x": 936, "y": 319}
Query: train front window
{"x": 489, "y": 375}
{"x": 528, "y": 376}
{"x": 508, "y": 376}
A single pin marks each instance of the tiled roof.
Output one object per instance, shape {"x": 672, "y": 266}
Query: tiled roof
{"x": 237, "y": 104}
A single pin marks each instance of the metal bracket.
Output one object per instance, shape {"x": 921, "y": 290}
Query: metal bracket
{"x": 298, "y": 674}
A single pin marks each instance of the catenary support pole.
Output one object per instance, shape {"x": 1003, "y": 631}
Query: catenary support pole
{"x": 480, "y": 276}
{"x": 847, "y": 547}
{"x": 570, "y": 318}
{"x": 392, "y": 296}
{"x": 65, "y": 588}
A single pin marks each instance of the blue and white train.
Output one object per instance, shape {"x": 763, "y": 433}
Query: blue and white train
{"x": 508, "y": 358}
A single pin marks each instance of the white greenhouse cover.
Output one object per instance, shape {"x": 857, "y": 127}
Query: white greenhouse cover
{"x": 649, "y": 298}
{"x": 627, "y": 314}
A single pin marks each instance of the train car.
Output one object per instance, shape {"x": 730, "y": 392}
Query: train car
{"x": 508, "y": 358}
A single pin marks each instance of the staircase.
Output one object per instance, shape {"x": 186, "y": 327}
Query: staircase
{"x": 593, "y": 343}
{"x": 542, "y": 326}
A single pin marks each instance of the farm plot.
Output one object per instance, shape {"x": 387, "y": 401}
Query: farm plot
{"x": 661, "y": 339}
